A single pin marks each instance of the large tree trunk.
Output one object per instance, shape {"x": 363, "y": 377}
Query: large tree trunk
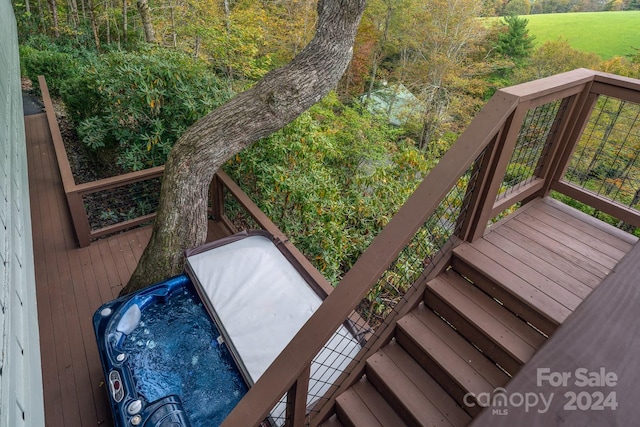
{"x": 276, "y": 100}
{"x": 147, "y": 25}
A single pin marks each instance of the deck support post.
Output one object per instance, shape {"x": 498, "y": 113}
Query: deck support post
{"x": 297, "y": 400}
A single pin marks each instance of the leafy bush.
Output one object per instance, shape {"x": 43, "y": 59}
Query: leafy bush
{"x": 56, "y": 66}
{"x": 136, "y": 105}
{"x": 331, "y": 181}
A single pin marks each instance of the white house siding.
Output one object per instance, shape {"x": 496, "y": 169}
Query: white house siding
{"x": 21, "y": 401}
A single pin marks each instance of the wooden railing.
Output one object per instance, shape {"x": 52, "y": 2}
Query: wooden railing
{"x": 222, "y": 193}
{"x": 545, "y": 120}
{"x": 222, "y": 188}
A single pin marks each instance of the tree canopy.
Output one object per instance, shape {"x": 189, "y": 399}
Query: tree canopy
{"x": 335, "y": 173}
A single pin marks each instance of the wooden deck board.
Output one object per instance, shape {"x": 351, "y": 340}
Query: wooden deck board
{"x": 389, "y": 380}
{"x": 352, "y": 405}
{"x": 377, "y": 405}
{"x": 472, "y": 371}
{"x": 427, "y": 386}
{"x": 581, "y": 232}
{"x": 540, "y": 255}
{"x": 553, "y": 248}
{"x": 527, "y": 294}
{"x": 548, "y": 255}
{"x": 42, "y": 235}
{"x": 540, "y": 266}
{"x": 528, "y": 274}
{"x": 563, "y": 239}
{"x": 71, "y": 284}
{"x": 501, "y": 335}
{"x": 612, "y": 235}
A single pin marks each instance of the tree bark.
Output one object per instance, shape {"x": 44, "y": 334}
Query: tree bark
{"x": 147, "y": 25}
{"x": 276, "y": 100}
{"x": 379, "y": 51}
{"x": 94, "y": 24}
{"x": 75, "y": 20}
{"x": 125, "y": 28}
{"x": 53, "y": 7}
{"x": 107, "y": 19}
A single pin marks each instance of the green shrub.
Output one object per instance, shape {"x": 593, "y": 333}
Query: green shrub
{"x": 56, "y": 66}
{"x": 81, "y": 97}
{"x": 136, "y": 105}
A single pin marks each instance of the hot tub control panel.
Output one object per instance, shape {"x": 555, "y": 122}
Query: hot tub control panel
{"x": 115, "y": 386}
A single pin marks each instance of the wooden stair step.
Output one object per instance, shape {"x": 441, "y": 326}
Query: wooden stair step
{"x": 413, "y": 393}
{"x": 576, "y": 286}
{"x": 569, "y": 297}
{"x": 362, "y": 405}
{"x": 517, "y": 294}
{"x": 502, "y": 336}
{"x": 458, "y": 366}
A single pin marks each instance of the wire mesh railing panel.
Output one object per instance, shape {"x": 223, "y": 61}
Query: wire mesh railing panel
{"x": 531, "y": 146}
{"x": 605, "y": 161}
{"x": 423, "y": 250}
{"x": 127, "y": 202}
{"x": 349, "y": 342}
{"x": 341, "y": 349}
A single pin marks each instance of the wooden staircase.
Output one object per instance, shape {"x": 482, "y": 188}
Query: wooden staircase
{"x": 468, "y": 336}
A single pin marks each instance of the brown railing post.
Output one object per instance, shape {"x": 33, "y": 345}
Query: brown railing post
{"x": 79, "y": 218}
{"x": 297, "y": 400}
{"x": 560, "y": 153}
{"x": 216, "y": 197}
{"x": 495, "y": 171}
{"x": 580, "y": 117}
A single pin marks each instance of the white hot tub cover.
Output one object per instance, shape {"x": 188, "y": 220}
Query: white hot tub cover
{"x": 260, "y": 301}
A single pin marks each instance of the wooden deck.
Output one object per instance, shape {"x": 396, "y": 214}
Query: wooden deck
{"x": 71, "y": 284}
{"x": 548, "y": 255}
{"x": 460, "y": 343}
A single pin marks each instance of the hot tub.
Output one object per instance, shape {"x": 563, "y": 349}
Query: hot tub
{"x": 247, "y": 298}
{"x": 163, "y": 362}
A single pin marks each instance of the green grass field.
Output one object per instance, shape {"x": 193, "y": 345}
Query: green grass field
{"x": 607, "y": 34}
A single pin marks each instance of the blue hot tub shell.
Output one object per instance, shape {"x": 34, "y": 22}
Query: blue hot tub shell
{"x": 132, "y": 404}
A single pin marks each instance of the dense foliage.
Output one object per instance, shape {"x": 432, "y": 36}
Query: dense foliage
{"x": 331, "y": 180}
{"x": 129, "y": 107}
{"x": 144, "y": 101}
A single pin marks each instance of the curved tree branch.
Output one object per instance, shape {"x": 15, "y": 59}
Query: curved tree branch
{"x": 276, "y": 100}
